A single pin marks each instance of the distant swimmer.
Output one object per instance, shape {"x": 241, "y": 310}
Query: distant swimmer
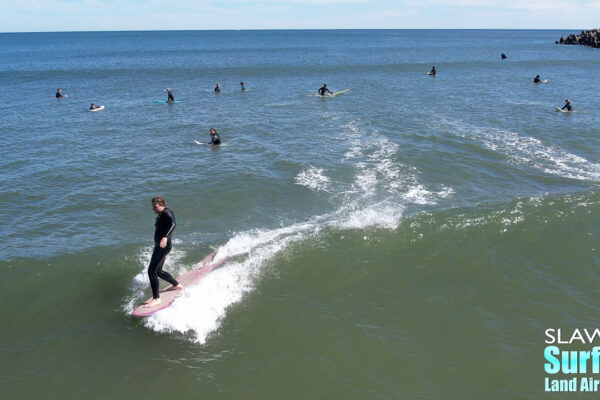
{"x": 59, "y": 93}
{"x": 324, "y": 89}
{"x": 243, "y": 86}
{"x": 567, "y": 105}
{"x": 537, "y": 79}
{"x": 163, "y": 229}
{"x": 503, "y": 56}
{"x": 433, "y": 71}
{"x": 170, "y": 97}
{"x": 215, "y": 139}
{"x": 218, "y": 88}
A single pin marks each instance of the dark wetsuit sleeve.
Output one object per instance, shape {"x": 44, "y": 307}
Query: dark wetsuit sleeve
{"x": 171, "y": 97}
{"x": 165, "y": 225}
{"x": 215, "y": 139}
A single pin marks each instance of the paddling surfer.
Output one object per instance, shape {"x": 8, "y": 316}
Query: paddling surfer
{"x": 163, "y": 229}
{"x": 324, "y": 89}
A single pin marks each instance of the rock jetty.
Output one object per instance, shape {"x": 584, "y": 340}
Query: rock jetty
{"x": 587, "y": 38}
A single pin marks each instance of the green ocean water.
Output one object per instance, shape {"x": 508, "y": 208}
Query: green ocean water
{"x": 412, "y": 238}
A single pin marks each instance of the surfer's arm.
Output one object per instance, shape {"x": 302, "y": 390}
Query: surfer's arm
{"x": 167, "y": 226}
{"x": 173, "y": 224}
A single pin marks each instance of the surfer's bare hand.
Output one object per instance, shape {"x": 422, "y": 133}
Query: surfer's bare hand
{"x": 163, "y": 243}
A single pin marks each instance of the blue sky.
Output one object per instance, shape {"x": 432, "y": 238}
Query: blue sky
{"x": 95, "y": 15}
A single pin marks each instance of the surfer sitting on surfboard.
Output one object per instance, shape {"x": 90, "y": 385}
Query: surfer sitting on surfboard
{"x": 59, "y": 93}
{"x": 324, "y": 89}
{"x": 218, "y": 88}
{"x": 567, "y": 105}
{"x": 243, "y": 86}
{"x": 215, "y": 139}
{"x": 433, "y": 71}
{"x": 537, "y": 79}
{"x": 170, "y": 96}
{"x": 163, "y": 229}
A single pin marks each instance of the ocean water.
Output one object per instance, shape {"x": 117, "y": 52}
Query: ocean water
{"x": 412, "y": 238}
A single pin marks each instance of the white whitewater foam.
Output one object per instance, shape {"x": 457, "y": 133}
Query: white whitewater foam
{"x": 419, "y": 195}
{"x": 313, "y": 178}
{"x": 530, "y": 151}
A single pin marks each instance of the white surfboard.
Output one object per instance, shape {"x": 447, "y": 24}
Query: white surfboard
{"x": 340, "y": 92}
{"x": 98, "y": 108}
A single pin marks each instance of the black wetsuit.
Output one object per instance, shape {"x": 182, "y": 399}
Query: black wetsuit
{"x": 164, "y": 227}
{"x": 59, "y": 94}
{"x": 322, "y": 91}
{"x": 537, "y": 80}
{"x": 567, "y": 106}
{"x": 433, "y": 71}
{"x": 170, "y": 96}
{"x": 215, "y": 139}
{"x": 217, "y": 89}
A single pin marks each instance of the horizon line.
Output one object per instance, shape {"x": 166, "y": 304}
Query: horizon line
{"x": 304, "y": 29}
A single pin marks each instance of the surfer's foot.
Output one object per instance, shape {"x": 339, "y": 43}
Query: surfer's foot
{"x": 170, "y": 288}
{"x": 152, "y": 303}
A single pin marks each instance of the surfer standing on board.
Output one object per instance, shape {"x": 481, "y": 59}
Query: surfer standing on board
{"x": 170, "y": 97}
{"x": 324, "y": 89}
{"x": 163, "y": 229}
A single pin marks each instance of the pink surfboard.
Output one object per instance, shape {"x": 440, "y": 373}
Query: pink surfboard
{"x": 190, "y": 278}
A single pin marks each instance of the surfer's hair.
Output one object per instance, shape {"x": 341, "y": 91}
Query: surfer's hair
{"x": 159, "y": 200}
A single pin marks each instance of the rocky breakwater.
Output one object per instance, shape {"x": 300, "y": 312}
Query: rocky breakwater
{"x": 587, "y": 38}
